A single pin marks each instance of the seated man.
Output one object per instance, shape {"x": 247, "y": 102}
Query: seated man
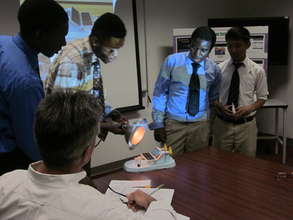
{"x": 65, "y": 130}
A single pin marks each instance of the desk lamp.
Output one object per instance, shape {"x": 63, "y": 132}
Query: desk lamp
{"x": 134, "y": 133}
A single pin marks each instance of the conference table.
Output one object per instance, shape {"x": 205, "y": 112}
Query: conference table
{"x": 215, "y": 184}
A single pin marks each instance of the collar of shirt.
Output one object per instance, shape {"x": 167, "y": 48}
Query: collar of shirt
{"x": 245, "y": 62}
{"x": 190, "y": 61}
{"x": 31, "y": 54}
{"x": 51, "y": 180}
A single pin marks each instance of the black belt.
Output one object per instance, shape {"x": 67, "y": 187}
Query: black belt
{"x": 238, "y": 121}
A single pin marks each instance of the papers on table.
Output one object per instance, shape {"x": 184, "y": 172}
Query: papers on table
{"x": 126, "y": 186}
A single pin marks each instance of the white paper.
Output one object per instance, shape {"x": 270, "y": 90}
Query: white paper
{"x": 125, "y": 187}
{"x": 182, "y": 217}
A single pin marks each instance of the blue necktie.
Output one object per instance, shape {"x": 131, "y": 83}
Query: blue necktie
{"x": 193, "y": 92}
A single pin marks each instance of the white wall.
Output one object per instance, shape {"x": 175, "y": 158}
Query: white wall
{"x": 161, "y": 17}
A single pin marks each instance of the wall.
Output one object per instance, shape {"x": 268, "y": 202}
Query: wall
{"x": 161, "y": 16}
{"x": 8, "y": 20}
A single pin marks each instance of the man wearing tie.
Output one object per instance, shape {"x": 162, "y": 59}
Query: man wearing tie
{"x": 243, "y": 90}
{"x": 78, "y": 67}
{"x": 187, "y": 84}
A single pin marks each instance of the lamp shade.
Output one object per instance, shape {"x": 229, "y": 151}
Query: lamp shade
{"x": 134, "y": 134}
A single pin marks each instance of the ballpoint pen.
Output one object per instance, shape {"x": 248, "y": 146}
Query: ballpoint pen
{"x": 146, "y": 186}
{"x": 157, "y": 189}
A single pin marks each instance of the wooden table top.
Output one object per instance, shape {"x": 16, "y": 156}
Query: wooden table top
{"x": 214, "y": 184}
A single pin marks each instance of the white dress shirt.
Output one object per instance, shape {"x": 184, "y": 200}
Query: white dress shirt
{"x": 30, "y": 195}
{"x": 253, "y": 82}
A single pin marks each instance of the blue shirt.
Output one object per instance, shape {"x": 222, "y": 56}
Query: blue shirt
{"x": 172, "y": 85}
{"x": 21, "y": 91}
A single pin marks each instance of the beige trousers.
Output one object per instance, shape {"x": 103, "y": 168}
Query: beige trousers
{"x": 235, "y": 137}
{"x": 186, "y": 136}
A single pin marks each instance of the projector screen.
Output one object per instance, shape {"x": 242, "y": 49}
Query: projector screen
{"x": 122, "y": 79}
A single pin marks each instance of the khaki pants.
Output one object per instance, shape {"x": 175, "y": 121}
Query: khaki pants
{"x": 235, "y": 137}
{"x": 186, "y": 136}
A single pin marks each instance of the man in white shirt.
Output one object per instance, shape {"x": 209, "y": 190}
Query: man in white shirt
{"x": 65, "y": 130}
{"x": 243, "y": 91}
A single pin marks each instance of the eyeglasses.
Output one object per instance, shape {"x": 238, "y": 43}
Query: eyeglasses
{"x": 284, "y": 175}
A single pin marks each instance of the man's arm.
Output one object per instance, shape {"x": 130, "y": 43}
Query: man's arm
{"x": 160, "y": 98}
{"x": 214, "y": 92}
{"x": 23, "y": 103}
{"x": 154, "y": 209}
{"x": 140, "y": 206}
{"x": 261, "y": 95}
{"x": 247, "y": 109}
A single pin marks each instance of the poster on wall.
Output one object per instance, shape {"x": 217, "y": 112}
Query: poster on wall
{"x": 258, "y": 50}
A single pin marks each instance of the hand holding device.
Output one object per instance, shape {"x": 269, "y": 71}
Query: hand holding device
{"x": 160, "y": 135}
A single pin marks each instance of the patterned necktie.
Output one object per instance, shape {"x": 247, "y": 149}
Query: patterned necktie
{"x": 98, "y": 90}
{"x": 193, "y": 92}
{"x": 234, "y": 86}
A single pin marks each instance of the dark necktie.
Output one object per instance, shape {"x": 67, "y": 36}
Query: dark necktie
{"x": 39, "y": 74}
{"x": 193, "y": 92}
{"x": 98, "y": 90}
{"x": 234, "y": 86}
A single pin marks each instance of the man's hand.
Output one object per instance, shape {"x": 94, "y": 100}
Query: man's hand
{"x": 247, "y": 109}
{"x": 112, "y": 126}
{"x": 139, "y": 200}
{"x": 160, "y": 135}
{"x": 244, "y": 110}
{"x": 115, "y": 122}
{"x": 224, "y": 109}
{"x": 116, "y": 116}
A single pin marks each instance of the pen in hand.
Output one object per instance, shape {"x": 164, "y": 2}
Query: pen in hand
{"x": 157, "y": 189}
{"x": 143, "y": 187}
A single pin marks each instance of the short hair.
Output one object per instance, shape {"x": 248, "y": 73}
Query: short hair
{"x": 238, "y": 33}
{"x": 204, "y": 33}
{"x": 107, "y": 26}
{"x": 66, "y": 123}
{"x": 44, "y": 15}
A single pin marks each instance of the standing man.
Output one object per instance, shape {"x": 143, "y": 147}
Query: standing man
{"x": 243, "y": 90}
{"x": 43, "y": 27}
{"x": 78, "y": 66}
{"x": 187, "y": 84}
